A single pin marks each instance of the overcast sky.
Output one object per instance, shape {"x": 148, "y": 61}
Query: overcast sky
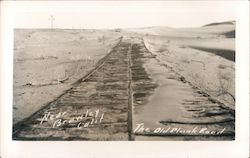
{"x": 122, "y": 14}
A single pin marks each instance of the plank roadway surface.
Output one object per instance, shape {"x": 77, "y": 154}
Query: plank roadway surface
{"x": 119, "y": 92}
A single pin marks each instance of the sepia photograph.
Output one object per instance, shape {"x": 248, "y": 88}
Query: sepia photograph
{"x": 127, "y": 79}
{"x": 151, "y": 73}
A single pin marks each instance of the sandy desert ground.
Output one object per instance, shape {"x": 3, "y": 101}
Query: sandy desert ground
{"x": 47, "y": 62}
{"x": 206, "y": 58}
{"x": 171, "y": 69}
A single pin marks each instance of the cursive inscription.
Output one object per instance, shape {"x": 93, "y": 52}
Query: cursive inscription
{"x": 140, "y": 128}
{"x": 90, "y": 117}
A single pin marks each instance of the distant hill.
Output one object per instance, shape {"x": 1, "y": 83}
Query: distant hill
{"x": 212, "y": 30}
{"x": 227, "y": 34}
{"x": 220, "y": 23}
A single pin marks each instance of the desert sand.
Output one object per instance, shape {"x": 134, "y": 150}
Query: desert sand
{"x": 47, "y": 62}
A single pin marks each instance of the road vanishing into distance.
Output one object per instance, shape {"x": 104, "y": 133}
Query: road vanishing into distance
{"x": 130, "y": 95}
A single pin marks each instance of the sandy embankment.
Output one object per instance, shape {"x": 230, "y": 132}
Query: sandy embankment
{"x": 193, "y": 53}
{"x": 47, "y": 63}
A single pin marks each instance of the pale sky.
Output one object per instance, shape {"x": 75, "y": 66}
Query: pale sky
{"x": 122, "y": 14}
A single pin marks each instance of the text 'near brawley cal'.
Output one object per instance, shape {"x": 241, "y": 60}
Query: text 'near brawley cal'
{"x": 90, "y": 117}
